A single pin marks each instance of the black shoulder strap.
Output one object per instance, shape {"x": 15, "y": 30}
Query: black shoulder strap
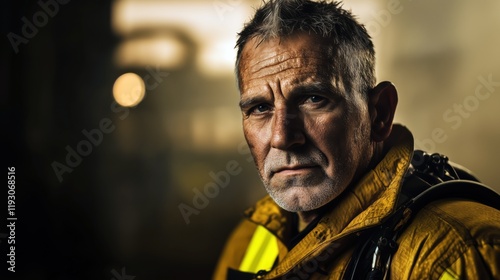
{"x": 429, "y": 178}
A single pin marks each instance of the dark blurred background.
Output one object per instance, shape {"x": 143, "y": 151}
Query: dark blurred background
{"x": 109, "y": 205}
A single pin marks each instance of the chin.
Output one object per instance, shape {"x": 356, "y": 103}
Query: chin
{"x": 303, "y": 199}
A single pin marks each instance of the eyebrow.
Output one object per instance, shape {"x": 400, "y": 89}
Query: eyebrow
{"x": 320, "y": 88}
{"x": 250, "y": 102}
{"x": 314, "y": 87}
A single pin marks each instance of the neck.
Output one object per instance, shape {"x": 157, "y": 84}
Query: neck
{"x": 379, "y": 151}
{"x": 306, "y": 217}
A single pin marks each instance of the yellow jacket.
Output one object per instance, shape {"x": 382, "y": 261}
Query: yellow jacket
{"x": 447, "y": 239}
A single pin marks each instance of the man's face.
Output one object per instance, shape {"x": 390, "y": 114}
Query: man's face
{"x": 308, "y": 136}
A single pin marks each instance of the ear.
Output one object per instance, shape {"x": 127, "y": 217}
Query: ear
{"x": 382, "y": 102}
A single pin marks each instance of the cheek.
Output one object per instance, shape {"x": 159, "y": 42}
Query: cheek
{"x": 327, "y": 133}
{"x": 257, "y": 138}
{"x": 334, "y": 136}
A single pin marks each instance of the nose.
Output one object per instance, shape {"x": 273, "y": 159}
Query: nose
{"x": 287, "y": 130}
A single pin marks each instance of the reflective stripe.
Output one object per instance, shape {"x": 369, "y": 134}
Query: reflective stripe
{"x": 448, "y": 274}
{"x": 261, "y": 252}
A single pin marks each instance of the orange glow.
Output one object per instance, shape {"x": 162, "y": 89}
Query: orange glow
{"x": 211, "y": 25}
{"x": 164, "y": 51}
{"x": 129, "y": 90}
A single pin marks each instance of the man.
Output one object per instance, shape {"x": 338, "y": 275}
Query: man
{"x": 322, "y": 136}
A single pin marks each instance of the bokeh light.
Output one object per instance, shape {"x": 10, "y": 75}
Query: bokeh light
{"x": 129, "y": 90}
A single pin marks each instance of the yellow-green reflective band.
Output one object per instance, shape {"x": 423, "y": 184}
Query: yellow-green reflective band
{"x": 449, "y": 275}
{"x": 261, "y": 252}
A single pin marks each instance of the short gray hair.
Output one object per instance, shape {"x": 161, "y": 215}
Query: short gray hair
{"x": 349, "y": 45}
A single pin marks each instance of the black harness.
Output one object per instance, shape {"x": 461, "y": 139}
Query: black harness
{"x": 430, "y": 178}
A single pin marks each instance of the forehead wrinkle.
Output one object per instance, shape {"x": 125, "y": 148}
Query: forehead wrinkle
{"x": 296, "y": 58}
{"x": 256, "y": 84}
{"x": 268, "y": 61}
{"x": 283, "y": 67}
{"x": 276, "y": 66}
{"x": 297, "y": 79}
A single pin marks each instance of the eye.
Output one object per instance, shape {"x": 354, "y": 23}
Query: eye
{"x": 314, "y": 99}
{"x": 259, "y": 109}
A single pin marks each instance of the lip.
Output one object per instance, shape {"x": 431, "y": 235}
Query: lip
{"x": 295, "y": 169}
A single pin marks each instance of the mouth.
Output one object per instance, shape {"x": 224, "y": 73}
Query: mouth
{"x": 294, "y": 170}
